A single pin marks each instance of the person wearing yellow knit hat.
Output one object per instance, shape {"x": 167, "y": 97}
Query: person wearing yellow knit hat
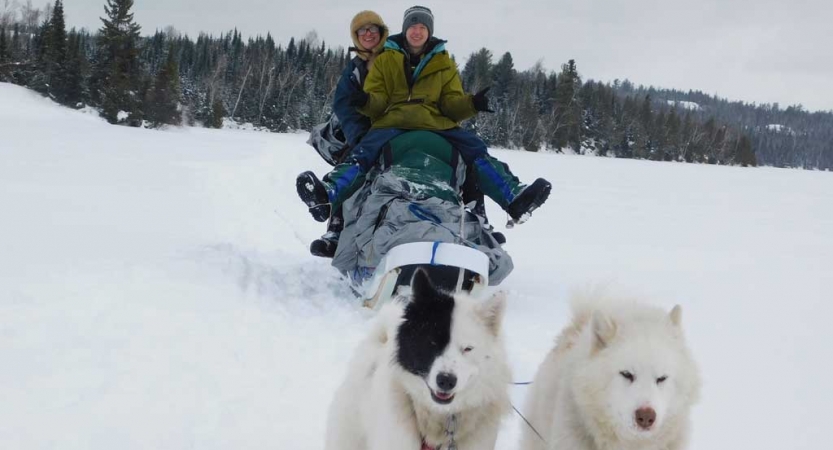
{"x": 368, "y": 33}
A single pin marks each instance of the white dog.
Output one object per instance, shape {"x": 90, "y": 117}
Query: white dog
{"x": 431, "y": 375}
{"x": 620, "y": 377}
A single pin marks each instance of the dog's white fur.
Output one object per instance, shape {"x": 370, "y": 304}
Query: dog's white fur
{"x": 581, "y": 398}
{"x": 380, "y": 406}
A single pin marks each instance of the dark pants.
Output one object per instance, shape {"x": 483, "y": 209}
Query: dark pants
{"x": 493, "y": 177}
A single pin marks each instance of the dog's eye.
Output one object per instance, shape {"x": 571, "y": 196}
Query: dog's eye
{"x": 628, "y": 376}
{"x": 468, "y": 349}
{"x": 661, "y": 379}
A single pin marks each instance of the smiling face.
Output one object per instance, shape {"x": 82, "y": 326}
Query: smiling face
{"x": 369, "y": 36}
{"x": 449, "y": 347}
{"x": 417, "y": 35}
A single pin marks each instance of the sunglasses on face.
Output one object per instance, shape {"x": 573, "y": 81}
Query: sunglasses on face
{"x": 373, "y": 29}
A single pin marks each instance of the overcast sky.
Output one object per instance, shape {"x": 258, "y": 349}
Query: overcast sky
{"x": 760, "y": 51}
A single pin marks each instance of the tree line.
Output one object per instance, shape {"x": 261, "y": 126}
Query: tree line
{"x": 169, "y": 78}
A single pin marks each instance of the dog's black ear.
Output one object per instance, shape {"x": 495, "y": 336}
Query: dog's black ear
{"x": 421, "y": 286}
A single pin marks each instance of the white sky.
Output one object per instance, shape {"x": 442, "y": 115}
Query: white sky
{"x": 751, "y": 50}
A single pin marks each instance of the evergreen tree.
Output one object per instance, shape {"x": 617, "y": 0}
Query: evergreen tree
{"x": 218, "y": 111}
{"x": 644, "y": 130}
{"x": 35, "y": 73}
{"x": 55, "y": 57}
{"x": 503, "y": 78}
{"x": 623, "y": 137}
{"x": 4, "y": 51}
{"x": 117, "y": 75}
{"x": 745, "y": 154}
{"x": 40, "y": 42}
{"x": 477, "y": 72}
{"x": 707, "y": 141}
{"x": 658, "y": 136}
{"x": 14, "y": 48}
{"x": 689, "y": 139}
{"x": 74, "y": 75}
{"x": 672, "y": 130}
{"x": 162, "y": 103}
{"x": 291, "y": 51}
{"x": 503, "y": 82}
{"x": 566, "y": 125}
{"x": 527, "y": 130}
{"x": 599, "y": 120}
{"x": 547, "y": 107}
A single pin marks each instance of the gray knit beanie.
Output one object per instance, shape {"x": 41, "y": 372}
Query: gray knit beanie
{"x": 418, "y": 14}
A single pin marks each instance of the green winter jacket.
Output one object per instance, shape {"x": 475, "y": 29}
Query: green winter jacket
{"x": 431, "y": 99}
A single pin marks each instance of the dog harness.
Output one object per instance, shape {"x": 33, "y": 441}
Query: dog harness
{"x": 450, "y": 428}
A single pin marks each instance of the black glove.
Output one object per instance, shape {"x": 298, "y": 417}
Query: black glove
{"x": 359, "y": 98}
{"x": 481, "y": 102}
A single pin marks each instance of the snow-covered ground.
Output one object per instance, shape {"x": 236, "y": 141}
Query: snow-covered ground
{"x": 156, "y": 291}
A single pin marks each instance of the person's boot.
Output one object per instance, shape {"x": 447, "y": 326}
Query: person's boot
{"x": 530, "y": 199}
{"x": 499, "y": 237}
{"x": 325, "y": 246}
{"x": 314, "y": 194}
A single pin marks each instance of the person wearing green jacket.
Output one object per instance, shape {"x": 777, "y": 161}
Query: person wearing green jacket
{"x": 414, "y": 85}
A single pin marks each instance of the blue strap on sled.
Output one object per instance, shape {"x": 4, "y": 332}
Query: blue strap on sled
{"x": 422, "y": 214}
{"x": 434, "y": 252}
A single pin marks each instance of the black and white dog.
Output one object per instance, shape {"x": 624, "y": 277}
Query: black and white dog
{"x": 432, "y": 374}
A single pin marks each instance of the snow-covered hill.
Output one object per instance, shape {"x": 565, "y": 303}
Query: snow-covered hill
{"x": 156, "y": 290}
{"x": 685, "y": 105}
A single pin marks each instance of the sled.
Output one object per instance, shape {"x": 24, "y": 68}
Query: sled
{"x": 394, "y": 270}
{"x": 409, "y": 213}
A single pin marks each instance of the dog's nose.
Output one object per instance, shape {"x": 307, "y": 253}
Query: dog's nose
{"x": 446, "y": 381}
{"x": 645, "y": 417}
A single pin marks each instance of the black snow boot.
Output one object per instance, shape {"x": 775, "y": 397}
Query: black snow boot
{"x": 325, "y": 246}
{"x": 532, "y": 197}
{"x": 499, "y": 237}
{"x": 314, "y": 194}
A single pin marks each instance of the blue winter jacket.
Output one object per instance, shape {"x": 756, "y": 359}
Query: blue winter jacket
{"x": 354, "y": 124}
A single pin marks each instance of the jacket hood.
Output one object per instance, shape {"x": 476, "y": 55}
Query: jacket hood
{"x": 362, "y": 19}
